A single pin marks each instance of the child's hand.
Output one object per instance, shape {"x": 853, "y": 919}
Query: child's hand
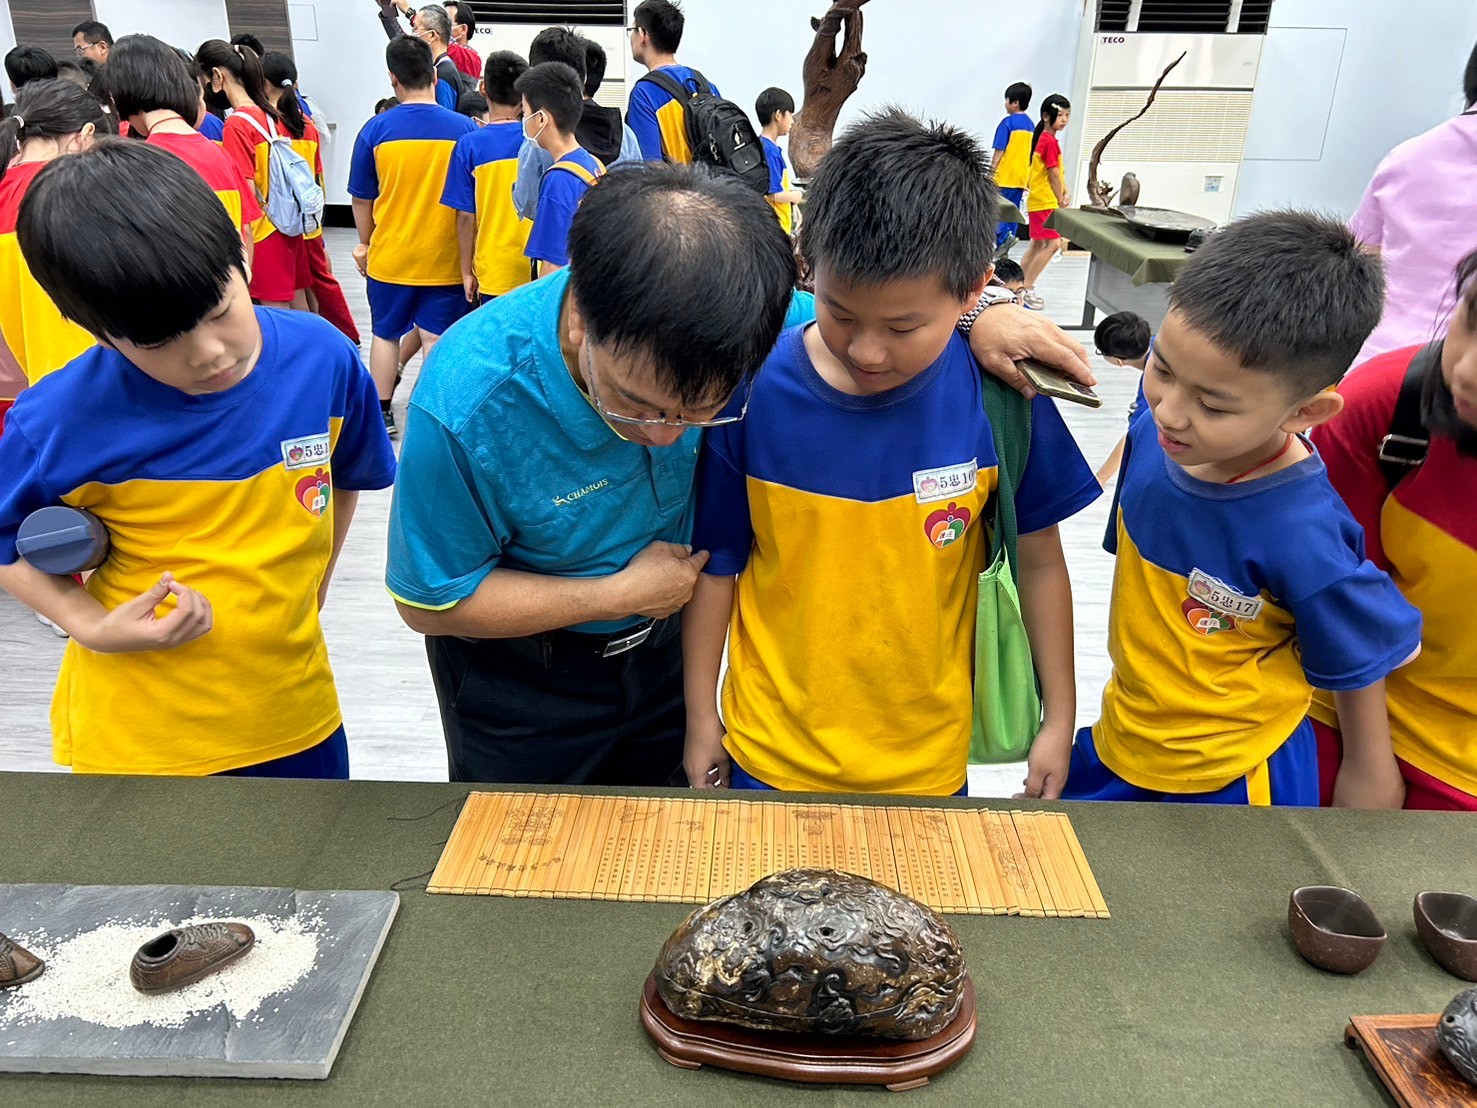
{"x": 361, "y": 259}
{"x": 1047, "y": 764}
{"x": 470, "y": 287}
{"x": 134, "y": 626}
{"x": 1365, "y": 782}
{"x": 703, "y": 756}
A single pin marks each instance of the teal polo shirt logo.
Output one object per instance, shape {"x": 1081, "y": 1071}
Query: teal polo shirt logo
{"x": 580, "y": 494}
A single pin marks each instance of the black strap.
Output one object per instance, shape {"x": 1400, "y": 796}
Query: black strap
{"x": 1403, "y": 450}
{"x": 675, "y": 88}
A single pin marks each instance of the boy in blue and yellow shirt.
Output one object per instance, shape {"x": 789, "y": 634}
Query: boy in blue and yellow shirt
{"x": 479, "y": 188}
{"x": 1012, "y": 158}
{"x": 776, "y": 111}
{"x": 846, "y": 513}
{"x": 222, "y": 446}
{"x": 407, "y": 240}
{"x": 553, "y": 101}
{"x": 1241, "y": 578}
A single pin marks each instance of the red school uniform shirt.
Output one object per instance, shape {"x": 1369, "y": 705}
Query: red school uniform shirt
{"x": 1424, "y": 534}
{"x": 466, "y": 60}
{"x": 233, "y": 189}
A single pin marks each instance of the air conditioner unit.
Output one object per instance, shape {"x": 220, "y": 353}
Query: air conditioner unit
{"x": 1187, "y": 149}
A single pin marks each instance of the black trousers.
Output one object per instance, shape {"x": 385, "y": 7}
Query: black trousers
{"x": 549, "y": 709}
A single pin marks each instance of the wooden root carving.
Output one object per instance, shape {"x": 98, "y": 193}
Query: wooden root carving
{"x": 831, "y": 75}
{"x": 1099, "y": 191}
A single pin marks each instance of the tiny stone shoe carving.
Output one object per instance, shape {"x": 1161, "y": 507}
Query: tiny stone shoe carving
{"x": 17, "y": 964}
{"x": 186, "y": 954}
{"x": 816, "y": 951}
{"x": 1456, "y": 1034}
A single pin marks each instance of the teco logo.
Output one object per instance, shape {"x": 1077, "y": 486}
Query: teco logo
{"x": 1112, "y": 39}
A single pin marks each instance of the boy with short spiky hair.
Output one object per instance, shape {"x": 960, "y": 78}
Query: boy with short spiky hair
{"x": 222, "y": 446}
{"x": 847, "y": 514}
{"x": 1241, "y": 577}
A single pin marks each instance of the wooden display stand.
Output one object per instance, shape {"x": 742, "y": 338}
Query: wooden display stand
{"x": 813, "y": 1059}
{"x": 1403, "y": 1053}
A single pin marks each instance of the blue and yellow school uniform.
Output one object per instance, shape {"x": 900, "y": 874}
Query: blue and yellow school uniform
{"x": 1228, "y": 601}
{"x": 400, "y": 161}
{"x": 779, "y": 181}
{"x": 1013, "y": 140}
{"x": 233, "y": 492}
{"x": 659, "y": 122}
{"x": 559, "y": 196}
{"x": 39, "y": 337}
{"x": 484, "y": 165}
{"x": 856, "y": 527}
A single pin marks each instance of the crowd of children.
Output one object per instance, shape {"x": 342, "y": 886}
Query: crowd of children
{"x": 1270, "y": 576}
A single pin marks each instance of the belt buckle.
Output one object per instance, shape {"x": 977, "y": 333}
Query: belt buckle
{"x": 628, "y": 642}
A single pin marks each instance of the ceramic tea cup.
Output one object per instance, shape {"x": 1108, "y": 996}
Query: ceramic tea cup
{"x": 1334, "y": 928}
{"x": 1447, "y": 924}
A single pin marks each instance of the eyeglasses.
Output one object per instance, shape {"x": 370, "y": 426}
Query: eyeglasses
{"x": 616, "y": 417}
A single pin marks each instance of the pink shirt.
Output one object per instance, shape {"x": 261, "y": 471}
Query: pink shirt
{"x": 1421, "y": 211}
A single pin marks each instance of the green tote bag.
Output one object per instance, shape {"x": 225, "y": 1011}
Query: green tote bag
{"x": 1007, "y": 703}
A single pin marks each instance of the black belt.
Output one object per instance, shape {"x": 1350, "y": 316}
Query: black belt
{"x": 653, "y": 631}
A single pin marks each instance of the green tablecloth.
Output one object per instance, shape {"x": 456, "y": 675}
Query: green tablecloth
{"x": 1110, "y": 238}
{"x": 1190, "y": 994}
{"x": 1009, "y": 213}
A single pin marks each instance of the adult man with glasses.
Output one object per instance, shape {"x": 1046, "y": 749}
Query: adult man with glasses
{"x": 539, "y": 528}
{"x": 92, "y": 39}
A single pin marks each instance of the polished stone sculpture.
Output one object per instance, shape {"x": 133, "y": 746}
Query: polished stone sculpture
{"x": 1456, "y": 1033}
{"x": 815, "y": 951}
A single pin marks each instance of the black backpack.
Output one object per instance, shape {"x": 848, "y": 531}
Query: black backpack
{"x": 718, "y": 130}
{"x": 1404, "y": 449}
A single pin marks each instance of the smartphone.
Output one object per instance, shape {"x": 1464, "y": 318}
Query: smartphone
{"x": 1049, "y": 381}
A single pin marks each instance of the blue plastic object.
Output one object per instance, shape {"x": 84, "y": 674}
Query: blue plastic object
{"x": 63, "y": 540}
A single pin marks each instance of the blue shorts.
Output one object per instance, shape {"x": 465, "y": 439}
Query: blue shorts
{"x": 738, "y": 779}
{"x": 328, "y": 761}
{"x": 1016, "y": 197}
{"x": 1289, "y": 778}
{"x": 395, "y": 309}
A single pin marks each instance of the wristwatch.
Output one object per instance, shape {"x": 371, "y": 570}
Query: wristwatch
{"x": 993, "y": 294}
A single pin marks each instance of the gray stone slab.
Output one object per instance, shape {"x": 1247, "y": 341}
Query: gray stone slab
{"x": 296, "y": 1033}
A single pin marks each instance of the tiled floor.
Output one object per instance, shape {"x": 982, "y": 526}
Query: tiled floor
{"x": 389, "y": 706}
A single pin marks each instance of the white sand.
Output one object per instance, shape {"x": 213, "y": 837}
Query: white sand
{"x": 87, "y": 976}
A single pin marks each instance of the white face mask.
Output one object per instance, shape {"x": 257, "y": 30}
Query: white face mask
{"x": 534, "y": 137}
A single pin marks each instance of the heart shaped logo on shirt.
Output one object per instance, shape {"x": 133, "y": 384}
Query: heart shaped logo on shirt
{"x": 314, "y": 491}
{"x": 947, "y": 525}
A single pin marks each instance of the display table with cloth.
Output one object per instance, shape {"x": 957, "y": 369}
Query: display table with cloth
{"x": 1128, "y": 271}
{"x": 1190, "y": 994}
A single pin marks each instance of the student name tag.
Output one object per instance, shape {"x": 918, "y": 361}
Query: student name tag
{"x": 940, "y": 484}
{"x": 304, "y": 453}
{"x": 1215, "y": 594}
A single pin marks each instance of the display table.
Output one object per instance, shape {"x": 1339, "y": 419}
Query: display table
{"x": 1190, "y": 994}
{"x": 1009, "y": 213}
{"x": 1128, "y": 272}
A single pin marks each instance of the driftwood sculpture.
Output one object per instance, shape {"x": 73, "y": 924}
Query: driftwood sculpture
{"x": 831, "y": 76}
{"x": 1099, "y": 192}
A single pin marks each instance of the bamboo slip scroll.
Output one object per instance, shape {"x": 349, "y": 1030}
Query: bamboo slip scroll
{"x": 690, "y": 850}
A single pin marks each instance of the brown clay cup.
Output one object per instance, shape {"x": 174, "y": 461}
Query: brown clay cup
{"x": 1334, "y": 928}
{"x": 1447, "y": 924}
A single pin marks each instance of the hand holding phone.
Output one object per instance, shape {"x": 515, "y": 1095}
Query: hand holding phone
{"x": 1046, "y": 380}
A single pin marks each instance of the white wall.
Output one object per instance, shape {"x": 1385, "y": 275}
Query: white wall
{"x": 185, "y": 23}
{"x": 948, "y": 59}
{"x": 1325, "y": 110}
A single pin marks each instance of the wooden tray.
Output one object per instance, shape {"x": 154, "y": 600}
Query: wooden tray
{"x": 812, "y": 1059}
{"x": 1403, "y": 1053}
{"x": 690, "y": 848}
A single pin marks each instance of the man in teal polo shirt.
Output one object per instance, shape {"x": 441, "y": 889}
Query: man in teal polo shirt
{"x": 541, "y": 515}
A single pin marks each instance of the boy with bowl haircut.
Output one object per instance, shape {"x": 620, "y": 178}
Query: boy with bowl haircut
{"x": 1240, "y": 575}
{"x": 222, "y": 446}
{"x": 846, "y": 513}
